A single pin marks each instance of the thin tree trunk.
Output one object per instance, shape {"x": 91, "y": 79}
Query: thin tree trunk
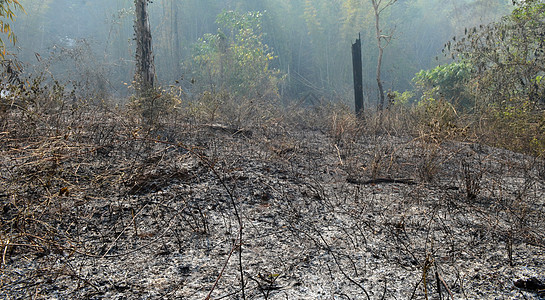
{"x": 145, "y": 67}
{"x": 379, "y": 81}
{"x": 378, "y": 7}
{"x": 380, "y": 54}
{"x": 177, "y": 44}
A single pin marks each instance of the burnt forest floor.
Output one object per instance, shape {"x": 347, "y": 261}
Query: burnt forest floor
{"x": 100, "y": 210}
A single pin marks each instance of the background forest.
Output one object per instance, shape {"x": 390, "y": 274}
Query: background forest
{"x": 308, "y": 40}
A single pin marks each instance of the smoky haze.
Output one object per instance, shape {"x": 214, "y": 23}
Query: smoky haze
{"x": 91, "y": 41}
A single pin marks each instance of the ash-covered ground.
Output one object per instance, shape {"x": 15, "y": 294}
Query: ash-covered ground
{"x": 264, "y": 213}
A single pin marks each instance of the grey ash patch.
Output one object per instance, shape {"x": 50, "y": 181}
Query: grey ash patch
{"x": 387, "y": 218}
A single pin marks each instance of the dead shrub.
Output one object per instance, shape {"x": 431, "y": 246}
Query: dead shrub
{"x": 429, "y": 163}
{"x": 514, "y": 126}
{"x": 436, "y": 120}
{"x": 152, "y": 105}
{"x": 471, "y": 179}
{"x": 344, "y": 126}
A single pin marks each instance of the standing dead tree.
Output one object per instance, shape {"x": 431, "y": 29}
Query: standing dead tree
{"x": 145, "y": 67}
{"x": 358, "y": 76}
{"x": 382, "y": 42}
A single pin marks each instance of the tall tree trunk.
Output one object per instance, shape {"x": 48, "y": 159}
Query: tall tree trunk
{"x": 145, "y": 67}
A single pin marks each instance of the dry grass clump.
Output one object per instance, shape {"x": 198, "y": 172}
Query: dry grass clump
{"x": 520, "y": 129}
{"x": 49, "y": 171}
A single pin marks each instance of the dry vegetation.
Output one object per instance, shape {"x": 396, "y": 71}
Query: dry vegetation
{"x": 225, "y": 199}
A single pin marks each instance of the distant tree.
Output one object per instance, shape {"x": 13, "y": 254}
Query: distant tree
{"x": 236, "y": 60}
{"x": 319, "y": 52}
{"x": 7, "y": 11}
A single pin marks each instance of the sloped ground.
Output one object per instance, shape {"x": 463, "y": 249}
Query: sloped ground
{"x": 105, "y": 212}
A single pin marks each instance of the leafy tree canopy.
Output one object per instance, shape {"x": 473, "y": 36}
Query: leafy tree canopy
{"x": 7, "y": 15}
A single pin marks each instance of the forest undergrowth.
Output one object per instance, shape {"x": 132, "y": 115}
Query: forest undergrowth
{"x": 239, "y": 199}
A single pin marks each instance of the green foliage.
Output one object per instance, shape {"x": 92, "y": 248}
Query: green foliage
{"x": 401, "y": 99}
{"x": 528, "y": 10}
{"x": 447, "y": 81}
{"x": 7, "y": 11}
{"x": 236, "y": 59}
